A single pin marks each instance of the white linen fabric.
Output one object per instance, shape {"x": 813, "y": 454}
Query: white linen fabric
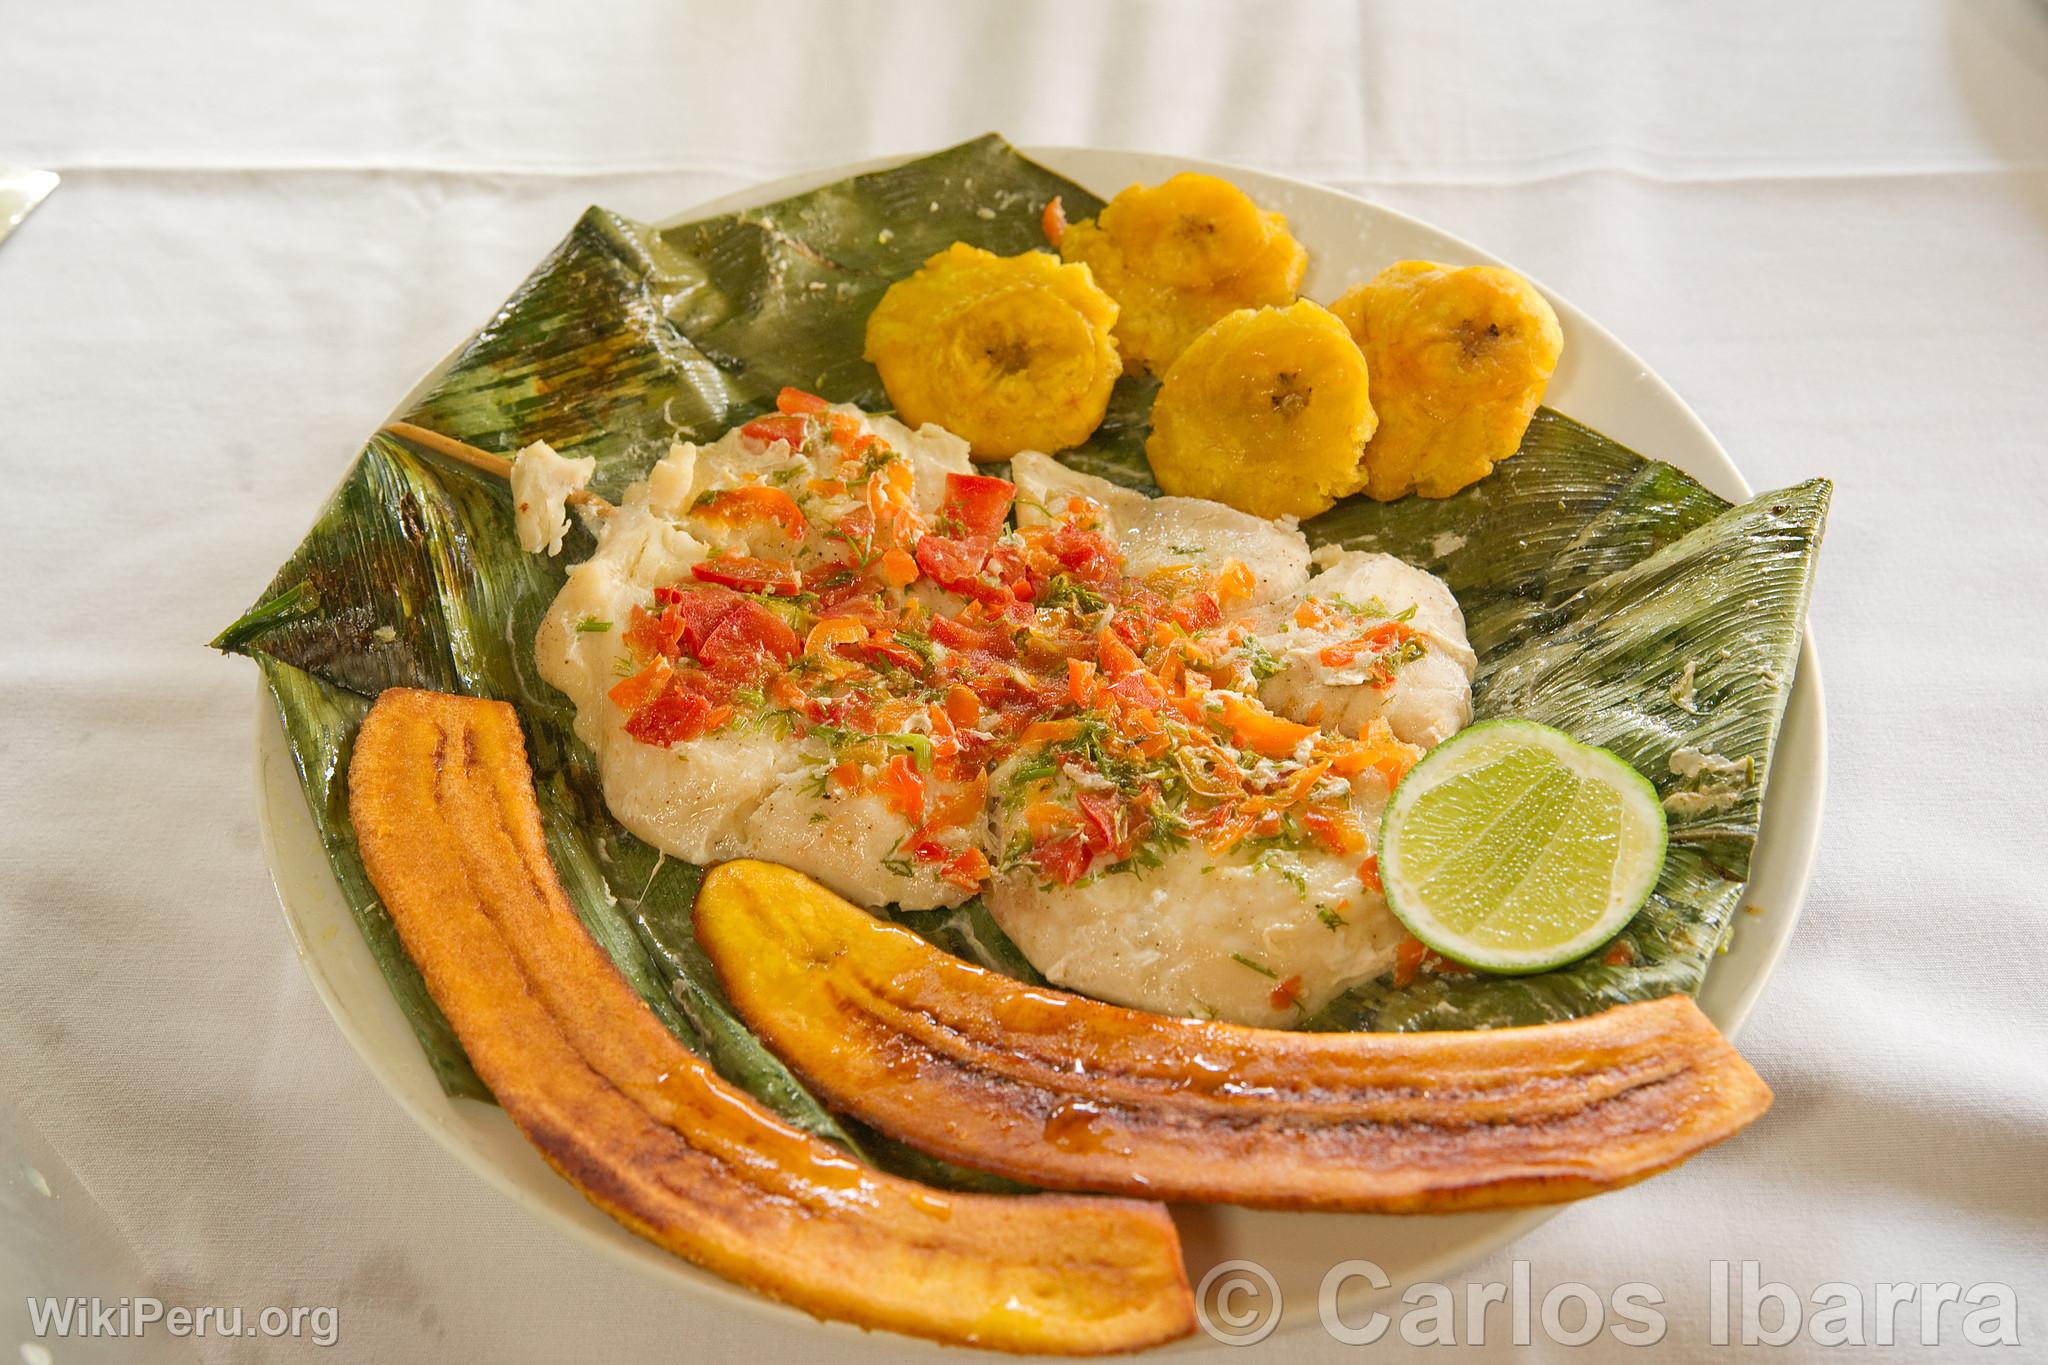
{"x": 1826, "y": 224}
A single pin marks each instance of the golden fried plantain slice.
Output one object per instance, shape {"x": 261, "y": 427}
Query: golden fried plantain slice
{"x": 1009, "y": 353}
{"x": 1178, "y": 256}
{"x": 1268, "y": 411}
{"x": 1072, "y": 1094}
{"x": 1459, "y": 360}
{"x": 442, "y": 802}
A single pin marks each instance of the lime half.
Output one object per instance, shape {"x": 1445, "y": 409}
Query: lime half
{"x": 1514, "y": 848}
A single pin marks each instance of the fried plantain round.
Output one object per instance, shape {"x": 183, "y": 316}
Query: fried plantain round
{"x": 1459, "y": 360}
{"x": 1009, "y": 353}
{"x": 1178, "y": 256}
{"x": 1268, "y": 411}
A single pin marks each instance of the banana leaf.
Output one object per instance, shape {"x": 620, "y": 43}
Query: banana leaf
{"x": 1607, "y": 594}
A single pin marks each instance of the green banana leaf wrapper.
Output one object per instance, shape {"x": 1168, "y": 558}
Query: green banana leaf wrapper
{"x": 1606, "y": 594}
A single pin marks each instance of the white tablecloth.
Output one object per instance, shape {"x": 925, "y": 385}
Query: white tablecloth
{"x": 1826, "y": 224}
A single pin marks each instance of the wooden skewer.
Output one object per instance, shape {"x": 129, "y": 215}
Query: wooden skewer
{"x": 463, "y": 453}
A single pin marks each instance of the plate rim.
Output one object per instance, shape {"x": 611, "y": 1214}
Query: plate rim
{"x": 1804, "y": 718}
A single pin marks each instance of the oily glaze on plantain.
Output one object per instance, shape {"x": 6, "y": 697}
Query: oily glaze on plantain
{"x": 1009, "y": 353}
{"x": 1268, "y": 411}
{"x": 1073, "y": 1094}
{"x": 1459, "y": 360}
{"x": 1178, "y": 256}
{"x": 442, "y": 802}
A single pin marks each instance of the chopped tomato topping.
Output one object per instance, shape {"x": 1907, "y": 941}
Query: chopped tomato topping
{"x": 679, "y": 713}
{"x": 1197, "y": 611}
{"x": 901, "y": 786}
{"x": 1287, "y": 995}
{"x": 650, "y": 636}
{"x": 1369, "y": 873}
{"x": 1105, "y": 831}
{"x": 1118, "y": 658}
{"x": 635, "y": 692}
{"x": 977, "y": 503}
{"x": 749, "y": 635}
{"x": 1377, "y": 640}
{"x": 797, "y": 401}
{"x": 749, "y": 574}
{"x": 1620, "y": 955}
{"x": 786, "y": 427}
{"x": 1053, "y": 222}
{"x": 968, "y": 868}
{"x": 956, "y": 566}
{"x": 1087, "y": 555}
{"x": 1062, "y": 860}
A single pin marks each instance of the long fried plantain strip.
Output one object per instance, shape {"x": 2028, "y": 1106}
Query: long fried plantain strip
{"x": 442, "y": 802}
{"x": 1072, "y": 1094}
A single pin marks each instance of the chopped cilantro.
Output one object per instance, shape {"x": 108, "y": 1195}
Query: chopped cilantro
{"x": 1261, "y": 968}
{"x": 1065, "y": 591}
{"x": 590, "y": 625}
{"x": 920, "y": 645}
{"x": 1261, "y": 661}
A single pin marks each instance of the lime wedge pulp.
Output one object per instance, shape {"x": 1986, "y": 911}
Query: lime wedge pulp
{"x": 1514, "y": 848}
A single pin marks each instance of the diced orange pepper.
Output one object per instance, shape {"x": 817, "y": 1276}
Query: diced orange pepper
{"x": 1042, "y": 818}
{"x": 826, "y": 488}
{"x": 754, "y": 502}
{"x": 963, "y": 708}
{"x": 1334, "y": 829}
{"x": 898, "y": 569}
{"x": 1312, "y": 614}
{"x": 1235, "y": 584}
{"x": 797, "y": 401}
{"x": 1252, "y": 727}
{"x": 832, "y": 632}
{"x": 1408, "y": 961}
{"x": 1117, "y": 657}
{"x": 1053, "y": 222}
{"x": 1080, "y": 680}
{"x": 1369, "y": 873}
{"x": 846, "y": 776}
{"x": 1050, "y": 731}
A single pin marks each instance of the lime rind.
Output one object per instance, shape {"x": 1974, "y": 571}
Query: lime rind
{"x": 1514, "y": 848}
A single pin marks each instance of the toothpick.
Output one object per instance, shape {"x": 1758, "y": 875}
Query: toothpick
{"x": 484, "y": 460}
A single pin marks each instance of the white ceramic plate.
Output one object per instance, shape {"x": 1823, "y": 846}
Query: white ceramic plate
{"x": 1600, "y": 382}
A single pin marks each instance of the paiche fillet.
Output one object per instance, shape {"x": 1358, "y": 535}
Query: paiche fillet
{"x": 442, "y": 802}
{"x": 1073, "y": 1094}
